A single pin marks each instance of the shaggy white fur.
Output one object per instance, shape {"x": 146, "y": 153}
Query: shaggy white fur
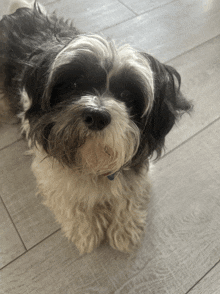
{"x": 90, "y": 207}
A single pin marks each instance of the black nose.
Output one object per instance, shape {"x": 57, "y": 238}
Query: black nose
{"x": 96, "y": 119}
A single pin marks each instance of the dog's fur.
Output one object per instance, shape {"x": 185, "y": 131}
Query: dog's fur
{"x": 93, "y": 113}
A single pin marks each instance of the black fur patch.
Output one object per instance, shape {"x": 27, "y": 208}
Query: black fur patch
{"x": 126, "y": 87}
{"x": 169, "y": 104}
{"x": 77, "y": 78}
{"x": 29, "y": 40}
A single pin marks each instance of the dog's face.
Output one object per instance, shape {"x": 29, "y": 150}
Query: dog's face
{"x": 99, "y": 108}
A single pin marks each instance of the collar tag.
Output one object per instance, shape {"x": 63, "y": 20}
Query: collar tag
{"x": 111, "y": 177}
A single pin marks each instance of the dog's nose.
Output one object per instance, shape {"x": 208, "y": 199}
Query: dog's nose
{"x": 96, "y": 119}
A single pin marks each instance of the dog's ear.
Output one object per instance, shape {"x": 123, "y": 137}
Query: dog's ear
{"x": 168, "y": 105}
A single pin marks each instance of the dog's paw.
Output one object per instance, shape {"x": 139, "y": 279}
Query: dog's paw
{"x": 85, "y": 235}
{"x": 87, "y": 243}
{"x": 125, "y": 237}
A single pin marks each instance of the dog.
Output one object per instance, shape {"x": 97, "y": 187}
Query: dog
{"x": 94, "y": 114}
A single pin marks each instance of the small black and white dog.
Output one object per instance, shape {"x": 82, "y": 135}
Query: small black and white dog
{"x": 93, "y": 113}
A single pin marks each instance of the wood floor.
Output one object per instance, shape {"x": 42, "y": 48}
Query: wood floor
{"x": 180, "y": 253}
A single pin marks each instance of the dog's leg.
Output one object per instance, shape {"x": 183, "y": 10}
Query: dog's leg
{"x": 86, "y": 228}
{"x": 83, "y": 222}
{"x": 127, "y": 226}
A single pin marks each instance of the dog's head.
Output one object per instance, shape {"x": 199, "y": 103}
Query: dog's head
{"x": 98, "y": 107}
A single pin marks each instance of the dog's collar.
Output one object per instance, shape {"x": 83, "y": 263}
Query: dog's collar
{"x": 111, "y": 177}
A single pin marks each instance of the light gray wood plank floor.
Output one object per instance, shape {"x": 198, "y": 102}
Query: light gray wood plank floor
{"x": 10, "y": 243}
{"x": 180, "y": 253}
{"x": 171, "y": 29}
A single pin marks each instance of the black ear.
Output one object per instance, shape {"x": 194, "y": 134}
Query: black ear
{"x": 169, "y": 104}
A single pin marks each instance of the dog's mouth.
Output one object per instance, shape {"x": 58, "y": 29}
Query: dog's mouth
{"x": 97, "y": 158}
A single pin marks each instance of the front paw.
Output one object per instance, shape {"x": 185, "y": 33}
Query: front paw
{"x": 86, "y": 243}
{"x": 84, "y": 234}
{"x": 125, "y": 237}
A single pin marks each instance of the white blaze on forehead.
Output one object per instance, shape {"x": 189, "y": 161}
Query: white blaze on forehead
{"x": 85, "y": 44}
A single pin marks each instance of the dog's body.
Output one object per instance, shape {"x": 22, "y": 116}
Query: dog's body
{"x": 94, "y": 114}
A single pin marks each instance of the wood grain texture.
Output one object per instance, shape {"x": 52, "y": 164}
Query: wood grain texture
{"x": 200, "y": 72}
{"x": 92, "y": 16}
{"x": 10, "y": 244}
{"x": 18, "y": 190}
{"x": 170, "y": 30}
{"x": 9, "y": 134}
{"x": 210, "y": 284}
{"x": 186, "y": 206}
{"x": 55, "y": 267}
{"x": 180, "y": 245}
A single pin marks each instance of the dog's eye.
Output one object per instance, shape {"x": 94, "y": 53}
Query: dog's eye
{"x": 125, "y": 94}
{"x": 77, "y": 83}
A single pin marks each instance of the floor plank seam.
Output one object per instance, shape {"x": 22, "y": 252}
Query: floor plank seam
{"x": 18, "y": 140}
{"x": 168, "y": 60}
{"x": 6, "y": 265}
{"x": 191, "y": 49}
{"x": 190, "y": 138}
{"x": 129, "y": 8}
{"x": 44, "y": 239}
{"x": 28, "y": 250}
{"x": 118, "y": 23}
{"x": 152, "y": 9}
{"x": 218, "y": 262}
{"x": 13, "y": 224}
